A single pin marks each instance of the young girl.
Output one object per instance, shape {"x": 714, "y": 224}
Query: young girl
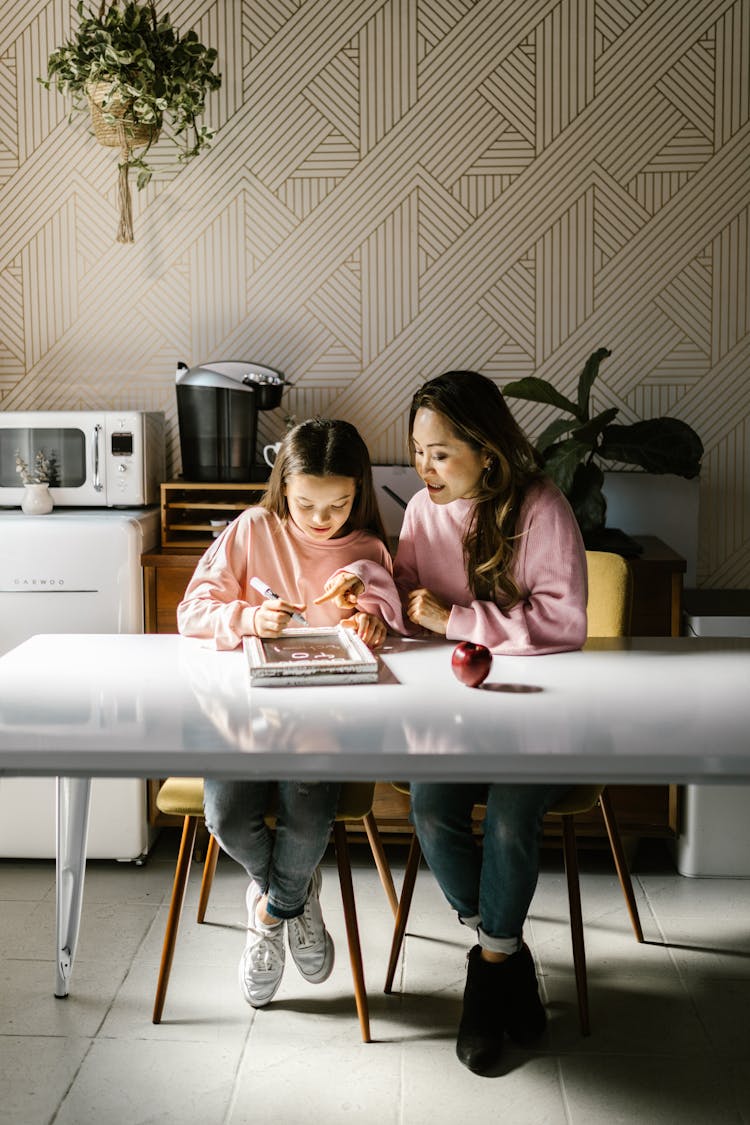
{"x": 319, "y": 513}
{"x": 489, "y": 552}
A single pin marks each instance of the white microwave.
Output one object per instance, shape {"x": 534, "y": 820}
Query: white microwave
{"x": 95, "y": 459}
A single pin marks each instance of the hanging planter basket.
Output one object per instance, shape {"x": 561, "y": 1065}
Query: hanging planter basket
{"x": 112, "y": 122}
{"x": 123, "y": 59}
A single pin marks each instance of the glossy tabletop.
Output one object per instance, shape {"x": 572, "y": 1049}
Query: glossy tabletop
{"x": 646, "y": 710}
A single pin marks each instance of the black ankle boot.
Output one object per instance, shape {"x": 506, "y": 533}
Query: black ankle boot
{"x": 524, "y": 1017}
{"x": 480, "y": 1033}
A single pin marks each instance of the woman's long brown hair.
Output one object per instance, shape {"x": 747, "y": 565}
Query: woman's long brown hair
{"x": 327, "y": 447}
{"x": 476, "y": 411}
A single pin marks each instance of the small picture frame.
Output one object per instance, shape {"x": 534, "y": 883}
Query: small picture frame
{"x": 326, "y": 655}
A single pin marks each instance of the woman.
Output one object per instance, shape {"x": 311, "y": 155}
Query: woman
{"x": 489, "y": 552}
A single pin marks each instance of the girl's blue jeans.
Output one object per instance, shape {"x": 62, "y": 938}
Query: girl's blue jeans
{"x": 282, "y": 861}
{"x": 490, "y": 884}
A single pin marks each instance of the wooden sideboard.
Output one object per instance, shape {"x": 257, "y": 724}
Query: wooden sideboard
{"x": 166, "y": 573}
{"x": 642, "y": 810}
{"x": 658, "y": 576}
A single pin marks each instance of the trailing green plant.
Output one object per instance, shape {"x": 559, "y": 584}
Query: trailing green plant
{"x": 145, "y": 78}
{"x": 572, "y": 447}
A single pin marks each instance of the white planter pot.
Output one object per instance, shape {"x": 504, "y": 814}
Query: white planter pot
{"x": 36, "y": 500}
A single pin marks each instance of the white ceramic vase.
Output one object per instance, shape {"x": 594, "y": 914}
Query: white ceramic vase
{"x": 36, "y": 500}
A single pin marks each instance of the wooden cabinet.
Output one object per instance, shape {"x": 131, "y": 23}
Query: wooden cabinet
{"x": 165, "y": 576}
{"x": 642, "y": 810}
{"x": 658, "y": 576}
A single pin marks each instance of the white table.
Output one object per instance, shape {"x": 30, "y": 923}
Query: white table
{"x": 638, "y": 710}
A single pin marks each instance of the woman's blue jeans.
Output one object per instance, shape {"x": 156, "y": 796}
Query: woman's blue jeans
{"x": 490, "y": 885}
{"x": 282, "y": 861}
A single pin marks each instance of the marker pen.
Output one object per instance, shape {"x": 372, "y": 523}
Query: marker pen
{"x": 262, "y": 588}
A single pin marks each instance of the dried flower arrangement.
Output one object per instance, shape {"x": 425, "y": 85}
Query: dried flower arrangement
{"x": 42, "y": 471}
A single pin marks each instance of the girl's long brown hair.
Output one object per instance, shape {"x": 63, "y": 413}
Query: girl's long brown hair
{"x": 476, "y": 411}
{"x": 327, "y": 447}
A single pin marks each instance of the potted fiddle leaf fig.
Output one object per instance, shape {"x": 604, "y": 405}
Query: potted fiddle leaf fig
{"x": 141, "y": 80}
{"x": 572, "y": 447}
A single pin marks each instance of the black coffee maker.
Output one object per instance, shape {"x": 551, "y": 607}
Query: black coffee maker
{"x": 217, "y": 412}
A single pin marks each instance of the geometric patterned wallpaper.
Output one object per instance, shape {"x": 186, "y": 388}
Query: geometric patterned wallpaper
{"x": 398, "y": 187}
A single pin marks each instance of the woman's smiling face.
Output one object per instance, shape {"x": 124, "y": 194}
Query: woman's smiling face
{"x": 320, "y": 506}
{"x": 450, "y": 467}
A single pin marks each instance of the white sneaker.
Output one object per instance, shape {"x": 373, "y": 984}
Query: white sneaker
{"x": 262, "y": 963}
{"x": 310, "y": 944}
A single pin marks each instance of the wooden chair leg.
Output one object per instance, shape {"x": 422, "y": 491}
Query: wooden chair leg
{"x": 187, "y": 843}
{"x": 621, "y": 863}
{"x": 209, "y": 870}
{"x": 402, "y": 914}
{"x": 576, "y": 920}
{"x": 352, "y": 929}
{"x": 381, "y": 860}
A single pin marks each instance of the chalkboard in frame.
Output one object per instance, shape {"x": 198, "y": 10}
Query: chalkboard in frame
{"x": 326, "y": 655}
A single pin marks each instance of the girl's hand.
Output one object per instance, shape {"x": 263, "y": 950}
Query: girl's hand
{"x": 368, "y": 627}
{"x": 273, "y": 615}
{"x": 343, "y": 590}
{"x": 423, "y": 608}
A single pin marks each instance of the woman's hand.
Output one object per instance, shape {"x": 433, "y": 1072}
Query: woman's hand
{"x": 368, "y": 627}
{"x": 342, "y": 589}
{"x": 423, "y": 608}
{"x": 272, "y": 616}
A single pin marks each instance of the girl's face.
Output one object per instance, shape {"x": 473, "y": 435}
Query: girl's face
{"x": 320, "y": 506}
{"x": 450, "y": 467}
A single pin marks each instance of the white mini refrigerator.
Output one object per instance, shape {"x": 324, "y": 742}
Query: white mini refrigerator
{"x": 73, "y": 571}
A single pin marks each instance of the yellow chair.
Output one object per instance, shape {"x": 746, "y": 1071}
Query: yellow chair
{"x": 608, "y": 609}
{"x": 183, "y": 796}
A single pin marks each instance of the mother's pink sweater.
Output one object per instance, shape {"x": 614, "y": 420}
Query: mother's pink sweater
{"x": 550, "y": 569}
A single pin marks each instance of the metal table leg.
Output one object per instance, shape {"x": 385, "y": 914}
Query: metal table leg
{"x": 72, "y": 831}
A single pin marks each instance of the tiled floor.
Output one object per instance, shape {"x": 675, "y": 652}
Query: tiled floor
{"x": 670, "y": 1038}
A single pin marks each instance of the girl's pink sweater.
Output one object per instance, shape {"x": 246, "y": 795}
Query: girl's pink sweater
{"x": 550, "y": 568}
{"x": 292, "y": 564}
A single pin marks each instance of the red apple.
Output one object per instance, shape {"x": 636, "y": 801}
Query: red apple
{"x": 471, "y": 663}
